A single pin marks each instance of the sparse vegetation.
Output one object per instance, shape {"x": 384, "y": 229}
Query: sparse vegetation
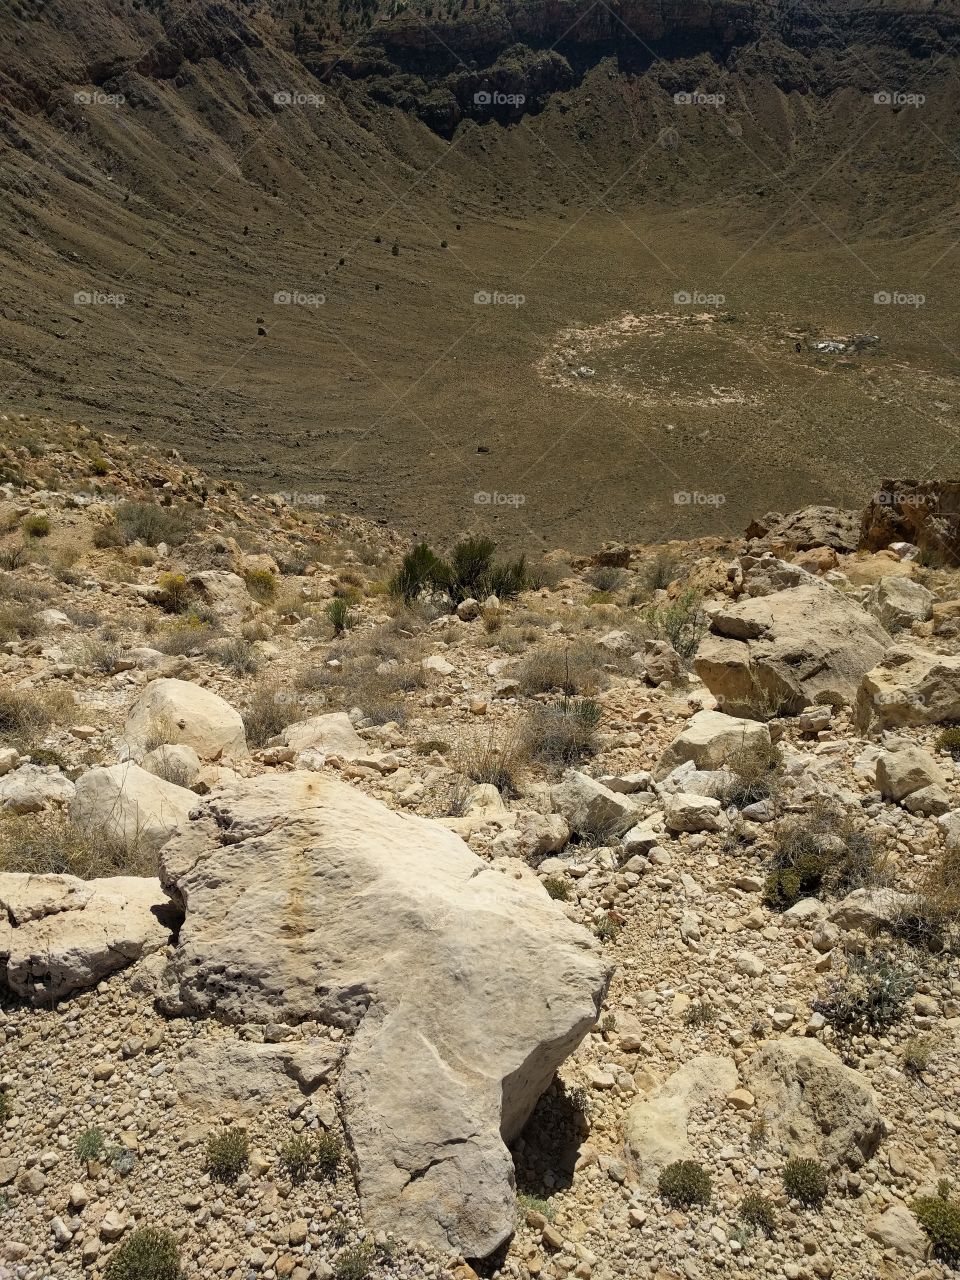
{"x": 495, "y": 758}
{"x": 90, "y": 1145}
{"x": 175, "y": 592}
{"x": 758, "y": 1211}
{"x": 6, "y": 1105}
{"x": 328, "y": 1150}
{"x": 682, "y": 622}
{"x": 534, "y": 1204}
{"x": 268, "y": 713}
{"x": 339, "y": 615}
{"x": 805, "y": 1180}
{"x": 948, "y": 741}
{"x": 239, "y": 656}
{"x": 557, "y": 888}
{"x": 262, "y": 584}
{"x": 563, "y": 732}
{"x": 148, "y": 1253}
{"x": 227, "y": 1154}
{"x": 685, "y": 1183}
{"x": 150, "y": 523}
{"x": 354, "y": 1262}
{"x": 869, "y": 997}
{"x": 36, "y": 526}
{"x": 939, "y": 1216}
{"x": 700, "y": 1014}
{"x": 821, "y": 851}
{"x": 471, "y": 573}
{"x": 756, "y": 770}
{"x": 26, "y": 716}
{"x": 917, "y": 1054}
{"x": 298, "y": 1157}
{"x": 568, "y": 669}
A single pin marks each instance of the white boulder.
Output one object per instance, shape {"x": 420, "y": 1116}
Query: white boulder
{"x": 178, "y": 711}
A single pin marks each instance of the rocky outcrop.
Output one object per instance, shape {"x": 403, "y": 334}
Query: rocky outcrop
{"x": 925, "y": 513}
{"x": 126, "y": 804}
{"x": 898, "y": 602}
{"x": 174, "y": 711}
{"x": 788, "y": 650}
{"x": 813, "y": 1104}
{"x": 709, "y": 739}
{"x": 814, "y": 526}
{"x": 224, "y": 1076}
{"x": 909, "y": 685}
{"x": 463, "y": 989}
{"x": 331, "y": 734}
{"x": 59, "y": 934}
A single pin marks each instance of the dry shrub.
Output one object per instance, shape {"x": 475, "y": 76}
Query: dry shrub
{"x": 563, "y": 732}
{"x": 26, "y": 715}
{"x": 269, "y": 712}
{"x": 492, "y": 758}
{"x": 568, "y": 669}
{"x": 45, "y": 844}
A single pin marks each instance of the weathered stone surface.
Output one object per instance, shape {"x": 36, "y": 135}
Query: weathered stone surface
{"x": 130, "y": 805}
{"x": 59, "y": 934}
{"x": 909, "y": 685}
{"x": 792, "y": 648}
{"x": 332, "y": 734}
{"x": 897, "y": 602}
{"x": 871, "y": 909}
{"x": 906, "y": 769}
{"x": 34, "y": 787}
{"x": 655, "y": 1129}
{"x": 587, "y": 805}
{"x": 222, "y": 1075}
{"x": 178, "y": 764}
{"x": 813, "y": 526}
{"x": 464, "y": 988}
{"x": 224, "y": 594}
{"x": 174, "y": 711}
{"x": 925, "y": 513}
{"x": 709, "y": 738}
{"x": 691, "y": 812}
{"x": 897, "y": 1229}
{"x": 813, "y": 1104}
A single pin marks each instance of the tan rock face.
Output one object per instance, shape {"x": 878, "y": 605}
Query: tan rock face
{"x": 655, "y": 1128}
{"x": 59, "y": 934}
{"x": 332, "y": 734}
{"x": 909, "y": 685}
{"x": 464, "y": 988}
{"x": 130, "y": 805}
{"x": 813, "y": 1104}
{"x": 709, "y": 738}
{"x": 175, "y": 711}
{"x": 792, "y": 648}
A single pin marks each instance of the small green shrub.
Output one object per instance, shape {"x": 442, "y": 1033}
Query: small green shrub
{"x": 36, "y": 526}
{"x": 535, "y": 1204}
{"x": 228, "y": 1152}
{"x": 99, "y": 467}
{"x": 176, "y": 592}
{"x": 756, "y": 771}
{"x": 470, "y": 573}
{"x": 262, "y": 584}
{"x": 606, "y": 579}
{"x": 6, "y": 1106}
{"x": 148, "y": 1253}
{"x": 822, "y": 851}
{"x": 805, "y": 1180}
{"x": 948, "y": 741}
{"x": 354, "y": 1262}
{"x": 869, "y": 997}
{"x": 298, "y": 1157}
{"x": 685, "y": 1183}
{"x": 239, "y": 656}
{"x": 917, "y": 1054}
{"x": 662, "y": 571}
{"x": 150, "y": 523}
{"x": 328, "y": 1150}
{"x": 700, "y": 1014}
{"x": 758, "y": 1210}
{"x": 418, "y": 571}
{"x": 607, "y": 929}
{"x": 339, "y": 615}
{"x": 108, "y": 533}
{"x": 682, "y": 622}
{"x": 557, "y": 888}
{"x": 939, "y": 1216}
{"x": 495, "y": 759}
{"x": 89, "y": 1146}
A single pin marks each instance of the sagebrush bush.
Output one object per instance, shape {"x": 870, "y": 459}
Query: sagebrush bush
{"x": 606, "y": 579}
{"x": 822, "y": 851}
{"x": 756, "y": 771}
{"x": 269, "y": 712}
{"x": 239, "y": 656}
{"x": 494, "y": 758}
{"x": 870, "y": 996}
{"x": 917, "y": 1054}
{"x": 148, "y": 1253}
{"x": 262, "y": 584}
{"x": 939, "y": 1216}
{"x": 557, "y": 888}
{"x": 227, "y": 1154}
{"x": 759, "y": 1211}
{"x": 36, "y": 526}
{"x": 682, "y": 622}
{"x": 354, "y": 1262}
{"x": 685, "y": 1183}
{"x": 298, "y": 1157}
{"x": 566, "y": 669}
{"x": 26, "y": 715}
{"x": 152, "y": 524}
{"x": 329, "y": 1154}
{"x": 108, "y": 533}
{"x": 6, "y": 1105}
{"x": 948, "y": 741}
{"x": 805, "y": 1180}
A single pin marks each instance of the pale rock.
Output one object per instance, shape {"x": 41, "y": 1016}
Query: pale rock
{"x": 587, "y": 805}
{"x": 909, "y": 685}
{"x": 59, "y": 934}
{"x": 127, "y": 805}
{"x": 898, "y": 602}
{"x": 709, "y": 739}
{"x": 331, "y": 734}
{"x": 905, "y": 770}
{"x": 438, "y": 664}
{"x": 225, "y": 1076}
{"x": 178, "y": 764}
{"x": 178, "y": 711}
{"x": 896, "y": 1228}
{"x": 34, "y": 787}
{"x": 871, "y": 909}
{"x": 655, "y": 1127}
{"x": 327, "y": 906}
{"x": 693, "y": 813}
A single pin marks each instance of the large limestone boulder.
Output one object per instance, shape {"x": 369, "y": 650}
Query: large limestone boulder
{"x": 127, "y": 804}
{"x": 813, "y": 1104}
{"x": 655, "y": 1129}
{"x": 709, "y": 739}
{"x": 221, "y": 1075}
{"x": 332, "y": 734}
{"x": 224, "y": 594}
{"x": 898, "y": 602}
{"x": 462, "y": 989}
{"x": 909, "y": 685}
{"x": 906, "y": 769}
{"x": 790, "y": 649}
{"x": 174, "y": 711}
{"x": 59, "y": 934}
